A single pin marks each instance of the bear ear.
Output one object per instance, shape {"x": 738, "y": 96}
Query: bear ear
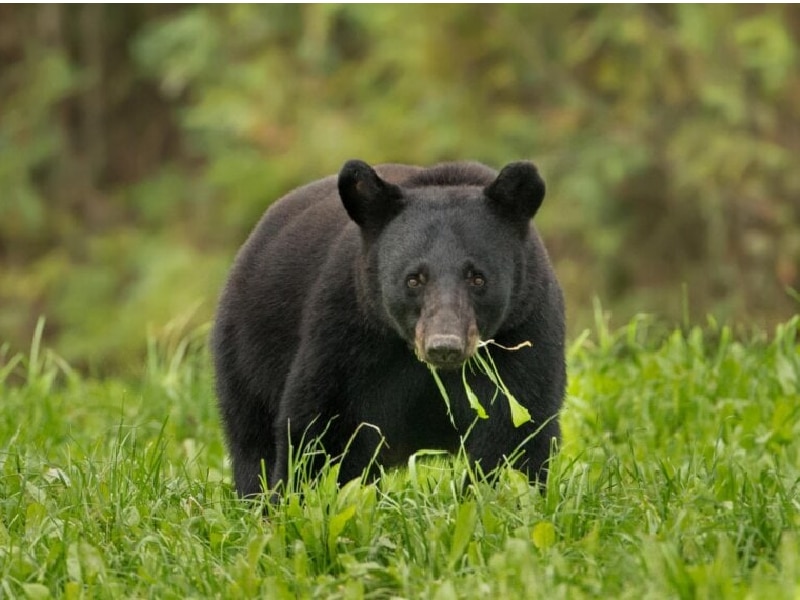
{"x": 517, "y": 193}
{"x": 369, "y": 200}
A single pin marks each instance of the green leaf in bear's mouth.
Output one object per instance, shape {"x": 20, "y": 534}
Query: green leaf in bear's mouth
{"x": 483, "y": 362}
{"x": 442, "y": 391}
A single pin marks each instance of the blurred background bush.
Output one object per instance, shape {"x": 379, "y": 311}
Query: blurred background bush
{"x": 140, "y": 144}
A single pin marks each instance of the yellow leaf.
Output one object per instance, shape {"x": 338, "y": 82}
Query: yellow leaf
{"x": 543, "y": 535}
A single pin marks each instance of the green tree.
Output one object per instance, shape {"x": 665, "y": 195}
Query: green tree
{"x": 139, "y": 145}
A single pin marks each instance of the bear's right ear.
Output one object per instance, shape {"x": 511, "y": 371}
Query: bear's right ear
{"x": 369, "y": 200}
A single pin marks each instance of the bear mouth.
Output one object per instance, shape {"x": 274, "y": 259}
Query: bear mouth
{"x": 445, "y": 366}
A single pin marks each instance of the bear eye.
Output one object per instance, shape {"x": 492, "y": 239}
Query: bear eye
{"x": 415, "y": 280}
{"x": 476, "y": 279}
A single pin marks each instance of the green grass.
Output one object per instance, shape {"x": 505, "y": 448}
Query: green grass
{"x": 679, "y": 477}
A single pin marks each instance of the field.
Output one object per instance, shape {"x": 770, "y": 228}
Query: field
{"x": 678, "y": 477}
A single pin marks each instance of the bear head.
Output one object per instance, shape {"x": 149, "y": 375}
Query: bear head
{"x": 443, "y": 263}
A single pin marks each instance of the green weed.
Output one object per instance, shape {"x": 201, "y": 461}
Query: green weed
{"x": 678, "y": 477}
{"x": 483, "y": 363}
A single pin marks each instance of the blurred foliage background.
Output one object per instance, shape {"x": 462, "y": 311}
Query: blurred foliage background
{"x": 140, "y": 144}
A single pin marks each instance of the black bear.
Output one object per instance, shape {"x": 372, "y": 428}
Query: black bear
{"x": 348, "y": 286}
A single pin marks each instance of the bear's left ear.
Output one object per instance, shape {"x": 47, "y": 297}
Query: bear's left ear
{"x": 369, "y": 200}
{"x": 517, "y": 193}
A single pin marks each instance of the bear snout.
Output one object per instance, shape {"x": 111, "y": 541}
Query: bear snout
{"x": 444, "y": 350}
{"x": 445, "y": 343}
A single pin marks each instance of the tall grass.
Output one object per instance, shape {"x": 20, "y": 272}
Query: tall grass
{"x": 678, "y": 477}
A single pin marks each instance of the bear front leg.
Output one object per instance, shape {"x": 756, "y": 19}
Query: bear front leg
{"x": 296, "y": 432}
{"x": 496, "y": 441}
{"x": 536, "y": 376}
{"x": 249, "y": 467}
{"x": 247, "y": 419}
{"x": 305, "y": 441}
{"x": 308, "y": 408}
{"x": 526, "y": 448}
{"x": 319, "y": 421}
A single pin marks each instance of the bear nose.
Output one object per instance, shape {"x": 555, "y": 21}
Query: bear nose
{"x": 445, "y": 349}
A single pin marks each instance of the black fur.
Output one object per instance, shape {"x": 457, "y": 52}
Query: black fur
{"x": 317, "y": 325}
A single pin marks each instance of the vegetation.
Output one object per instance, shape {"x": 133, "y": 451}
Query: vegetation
{"x": 139, "y": 145}
{"x": 678, "y": 478}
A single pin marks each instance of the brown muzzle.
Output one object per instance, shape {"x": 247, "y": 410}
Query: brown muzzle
{"x": 446, "y": 333}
